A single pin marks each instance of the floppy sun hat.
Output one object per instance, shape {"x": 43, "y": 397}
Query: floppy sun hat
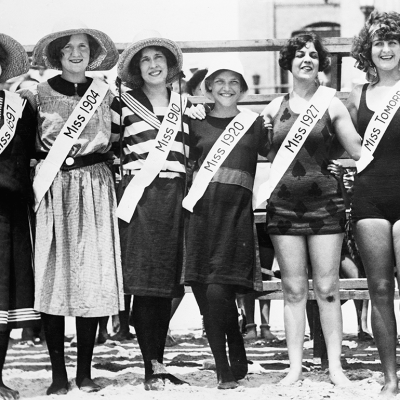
{"x": 106, "y": 58}
{"x": 16, "y": 62}
{"x": 148, "y": 38}
{"x": 224, "y": 62}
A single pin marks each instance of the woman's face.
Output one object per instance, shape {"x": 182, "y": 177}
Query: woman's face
{"x": 75, "y": 54}
{"x": 225, "y": 88}
{"x": 305, "y": 63}
{"x": 385, "y": 54}
{"x": 153, "y": 66}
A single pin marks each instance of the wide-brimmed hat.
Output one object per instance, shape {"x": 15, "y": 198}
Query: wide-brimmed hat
{"x": 106, "y": 58}
{"x": 147, "y": 38}
{"x": 224, "y": 62}
{"x": 16, "y": 62}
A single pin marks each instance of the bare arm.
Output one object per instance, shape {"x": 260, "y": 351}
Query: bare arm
{"x": 353, "y": 103}
{"x": 344, "y": 128}
{"x": 268, "y": 114}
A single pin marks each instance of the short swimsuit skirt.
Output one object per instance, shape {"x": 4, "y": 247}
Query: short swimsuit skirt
{"x": 307, "y": 200}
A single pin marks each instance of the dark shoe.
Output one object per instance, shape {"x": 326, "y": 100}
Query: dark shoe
{"x": 88, "y": 386}
{"x": 173, "y": 379}
{"x": 364, "y": 336}
{"x": 59, "y": 389}
{"x": 102, "y": 338}
{"x": 227, "y": 385}
{"x": 122, "y": 336}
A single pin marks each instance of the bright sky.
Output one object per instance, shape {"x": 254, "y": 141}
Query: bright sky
{"x": 29, "y": 20}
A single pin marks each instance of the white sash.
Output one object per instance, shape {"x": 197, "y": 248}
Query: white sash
{"x": 67, "y": 137}
{"x": 13, "y": 106}
{"x": 217, "y": 155}
{"x": 377, "y": 126}
{"x": 155, "y": 159}
{"x": 294, "y": 140}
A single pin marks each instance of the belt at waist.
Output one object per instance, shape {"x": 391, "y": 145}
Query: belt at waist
{"x": 79, "y": 162}
{"x": 162, "y": 174}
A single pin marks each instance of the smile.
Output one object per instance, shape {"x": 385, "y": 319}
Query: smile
{"x": 155, "y": 73}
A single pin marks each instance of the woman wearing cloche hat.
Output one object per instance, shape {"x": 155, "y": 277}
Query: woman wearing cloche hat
{"x": 220, "y": 256}
{"x": 153, "y": 122}
{"x": 77, "y": 249}
{"x": 17, "y": 140}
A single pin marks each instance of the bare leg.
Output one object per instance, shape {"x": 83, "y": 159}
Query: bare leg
{"x": 325, "y": 260}
{"x": 375, "y": 242}
{"x": 249, "y": 300}
{"x": 349, "y": 269}
{"x": 267, "y": 254}
{"x": 291, "y": 252}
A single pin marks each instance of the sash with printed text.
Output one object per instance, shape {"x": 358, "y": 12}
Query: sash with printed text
{"x": 13, "y": 108}
{"x": 67, "y": 137}
{"x": 294, "y": 141}
{"x": 377, "y": 127}
{"x": 221, "y": 149}
{"x": 155, "y": 159}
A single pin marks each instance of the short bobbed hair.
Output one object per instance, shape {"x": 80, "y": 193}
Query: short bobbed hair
{"x": 380, "y": 25}
{"x": 208, "y": 81}
{"x": 55, "y": 47}
{"x": 288, "y": 51}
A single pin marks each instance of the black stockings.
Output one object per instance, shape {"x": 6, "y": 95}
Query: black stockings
{"x": 150, "y": 316}
{"x": 54, "y": 326}
{"x": 218, "y": 307}
{"x": 4, "y": 337}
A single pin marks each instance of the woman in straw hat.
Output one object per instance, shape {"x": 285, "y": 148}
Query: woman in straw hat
{"x": 375, "y": 208}
{"x": 77, "y": 250}
{"x": 153, "y": 122}
{"x": 17, "y": 140}
{"x": 305, "y": 210}
{"x": 220, "y": 239}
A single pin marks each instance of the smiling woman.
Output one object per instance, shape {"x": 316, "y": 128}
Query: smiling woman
{"x": 220, "y": 243}
{"x": 77, "y": 249}
{"x": 305, "y": 213}
{"x": 374, "y": 108}
{"x": 153, "y": 126}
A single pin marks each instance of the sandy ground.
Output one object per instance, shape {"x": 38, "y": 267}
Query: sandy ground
{"x": 118, "y": 367}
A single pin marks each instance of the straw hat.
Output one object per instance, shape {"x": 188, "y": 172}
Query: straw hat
{"x": 224, "y": 62}
{"x": 105, "y": 60}
{"x": 148, "y": 38}
{"x": 17, "y": 61}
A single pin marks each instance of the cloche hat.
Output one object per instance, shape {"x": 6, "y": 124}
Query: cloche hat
{"x": 16, "y": 62}
{"x": 224, "y": 62}
{"x": 106, "y": 58}
{"x": 147, "y": 38}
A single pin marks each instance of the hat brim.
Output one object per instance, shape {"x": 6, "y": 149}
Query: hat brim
{"x": 17, "y": 61}
{"x": 136, "y": 81}
{"x": 105, "y": 60}
{"x": 212, "y": 71}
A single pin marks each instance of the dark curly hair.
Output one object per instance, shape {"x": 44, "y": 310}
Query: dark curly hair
{"x": 55, "y": 47}
{"x": 384, "y": 26}
{"x": 134, "y": 65}
{"x": 288, "y": 51}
